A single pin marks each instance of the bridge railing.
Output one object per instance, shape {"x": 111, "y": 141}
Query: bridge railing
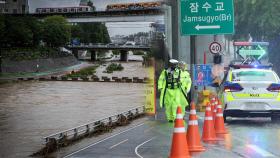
{"x": 95, "y": 126}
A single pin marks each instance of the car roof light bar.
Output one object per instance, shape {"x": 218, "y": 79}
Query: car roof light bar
{"x": 251, "y": 66}
{"x": 250, "y": 43}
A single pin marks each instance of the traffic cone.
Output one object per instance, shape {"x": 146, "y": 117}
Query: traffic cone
{"x": 208, "y": 126}
{"x": 193, "y": 136}
{"x": 179, "y": 142}
{"x": 214, "y": 108}
{"x": 212, "y": 103}
{"x": 219, "y": 121}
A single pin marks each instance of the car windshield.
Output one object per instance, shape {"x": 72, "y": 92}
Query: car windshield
{"x": 265, "y": 76}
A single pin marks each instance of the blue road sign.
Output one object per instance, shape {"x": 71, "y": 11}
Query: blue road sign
{"x": 202, "y": 75}
{"x": 75, "y": 42}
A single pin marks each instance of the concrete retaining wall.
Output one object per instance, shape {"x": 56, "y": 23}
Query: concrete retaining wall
{"x": 9, "y": 66}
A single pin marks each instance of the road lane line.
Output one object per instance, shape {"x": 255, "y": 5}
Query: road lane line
{"x": 118, "y": 144}
{"x": 104, "y": 140}
{"x": 136, "y": 149}
{"x": 261, "y": 151}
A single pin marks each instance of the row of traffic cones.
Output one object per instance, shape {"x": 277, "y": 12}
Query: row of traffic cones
{"x": 184, "y": 142}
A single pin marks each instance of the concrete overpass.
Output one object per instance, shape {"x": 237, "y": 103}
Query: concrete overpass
{"x": 145, "y": 15}
{"x": 94, "y": 50}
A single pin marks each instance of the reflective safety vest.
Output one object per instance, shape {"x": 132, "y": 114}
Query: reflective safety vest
{"x": 173, "y": 79}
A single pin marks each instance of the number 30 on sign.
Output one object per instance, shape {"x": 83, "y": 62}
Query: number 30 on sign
{"x": 215, "y": 48}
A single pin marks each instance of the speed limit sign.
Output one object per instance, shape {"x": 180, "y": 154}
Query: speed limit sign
{"x": 215, "y": 48}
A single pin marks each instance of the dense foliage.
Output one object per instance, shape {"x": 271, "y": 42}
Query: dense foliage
{"x": 114, "y": 67}
{"x": 259, "y": 19}
{"x": 54, "y": 31}
{"x": 91, "y": 33}
{"x": 85, "y": 72}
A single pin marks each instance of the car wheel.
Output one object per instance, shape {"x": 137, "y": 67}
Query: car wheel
{"x": 225, "y": 118}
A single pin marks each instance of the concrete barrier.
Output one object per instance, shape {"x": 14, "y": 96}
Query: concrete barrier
{"x": 96, "y": 79}
{"x": 64, "y": 78}
{"x": 118, "y": 80}
{"x": 146, "y": 79}
{"x": 128, "y": 80}
{"x": 140, "y": 81}
{"x": 42, "y": 79}
{"x": 94, "y": 76}
{"x": 85, "y": 78}
{"x": 107, "y": 80}
{"x": 75, "y": 78}
{"x": 54, "y": 78}
{"x": 135, "y": 79}
{"x": 124, "y": 78}
{"x": 30, "y": 78}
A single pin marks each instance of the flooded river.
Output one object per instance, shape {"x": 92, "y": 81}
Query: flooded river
{"x": 32, "y": 110}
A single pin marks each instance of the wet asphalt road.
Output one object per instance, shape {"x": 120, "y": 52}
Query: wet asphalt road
{"x": 247, "y": 138}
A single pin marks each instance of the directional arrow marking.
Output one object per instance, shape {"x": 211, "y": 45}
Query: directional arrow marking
{"x": 198, "y": 27}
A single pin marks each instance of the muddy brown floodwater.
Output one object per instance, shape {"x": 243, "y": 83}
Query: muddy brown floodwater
{"x": 31, "y": 110}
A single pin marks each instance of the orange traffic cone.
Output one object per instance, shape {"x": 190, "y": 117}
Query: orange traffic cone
{"x": 219, "y": 121}
{"x": 208, "y": 126}
{"x": 179, "y": 141}
{"x": 193, "y": 136}
{"x": 214, "y": 108}
{"x": 213, "y": 102}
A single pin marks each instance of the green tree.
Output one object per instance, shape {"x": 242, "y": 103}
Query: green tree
{"x": 260, "y": 19}
{"x": 17, "y": 32}
{"x": 2, "y": 28}
{"x": 92, "y": 33}
{"x": 76, "y": 31}
{"x": 56, "y": 31}
{"x": 36, "y": 28}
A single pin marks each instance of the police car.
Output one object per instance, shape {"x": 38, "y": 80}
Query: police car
{"x": 250, "y": 91}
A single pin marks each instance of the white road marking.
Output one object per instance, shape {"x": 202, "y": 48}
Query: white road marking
{"x": 118, "y": 144}
{"x": 103, "y": 140}
{"x": 136, "y": 149}
{"x": 261, "y": 151}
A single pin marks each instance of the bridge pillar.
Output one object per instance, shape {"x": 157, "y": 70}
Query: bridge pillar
{"x": 75, "y": 53}
{"x": 93, "y": 55}
{"x": 124, "y": 56}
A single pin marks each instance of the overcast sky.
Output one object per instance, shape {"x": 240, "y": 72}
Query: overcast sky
{"x": 114, "y": 28}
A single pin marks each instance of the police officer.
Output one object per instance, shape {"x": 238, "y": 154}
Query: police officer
{"x": 186, "y": 78}
{"x": 173, "y": 84}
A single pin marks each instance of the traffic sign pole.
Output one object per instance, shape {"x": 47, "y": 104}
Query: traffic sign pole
{"x": 193, "y": 60}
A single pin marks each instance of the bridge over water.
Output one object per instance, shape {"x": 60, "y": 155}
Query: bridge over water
{"x": 95, "y": 48}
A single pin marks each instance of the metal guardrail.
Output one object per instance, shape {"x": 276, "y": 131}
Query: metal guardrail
{"x": 92, "y": 126}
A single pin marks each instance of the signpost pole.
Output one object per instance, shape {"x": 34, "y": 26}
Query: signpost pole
{"x": 193, "y": 60}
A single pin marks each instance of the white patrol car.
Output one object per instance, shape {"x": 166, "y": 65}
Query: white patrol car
{"x": 249, "y": 91}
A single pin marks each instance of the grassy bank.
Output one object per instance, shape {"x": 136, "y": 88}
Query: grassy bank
{"x": 114, "y": 67}
{"x": 20, "y": 54}
{"x": 83, "y": 72}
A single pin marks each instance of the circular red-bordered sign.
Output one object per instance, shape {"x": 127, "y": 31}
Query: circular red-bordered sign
{"x": 215, "y": 48}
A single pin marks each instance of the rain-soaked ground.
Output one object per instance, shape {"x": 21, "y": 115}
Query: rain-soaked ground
{"x": 31, "y": 110}
{"x": 247, "y": 138}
